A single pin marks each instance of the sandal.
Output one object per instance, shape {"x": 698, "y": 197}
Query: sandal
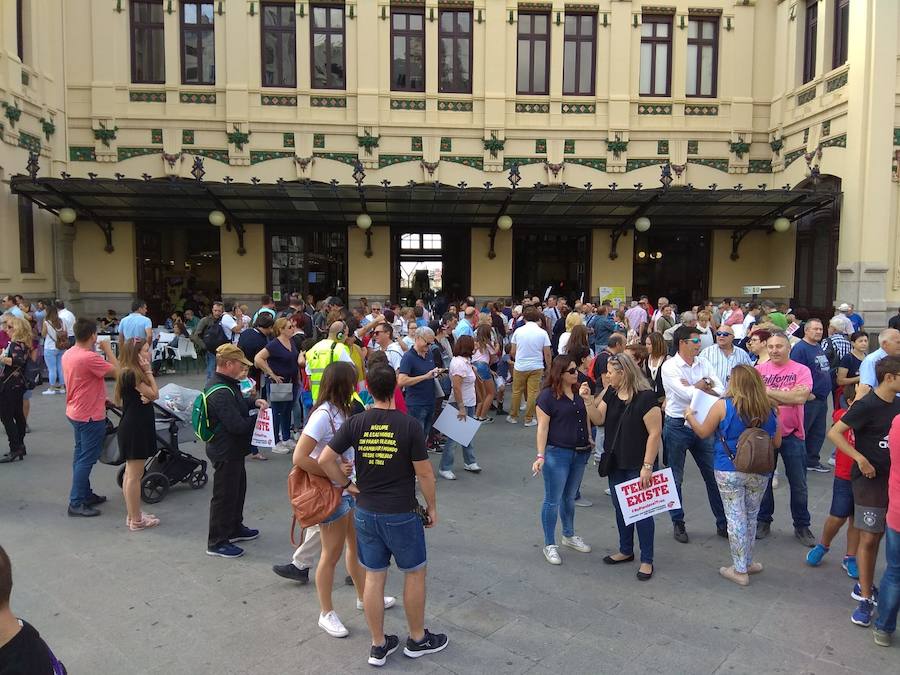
{"x": 260, "y": 457}
{"x": 147, "y": 520}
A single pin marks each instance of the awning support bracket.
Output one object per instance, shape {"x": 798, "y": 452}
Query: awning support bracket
{"x": 623, "y": 228}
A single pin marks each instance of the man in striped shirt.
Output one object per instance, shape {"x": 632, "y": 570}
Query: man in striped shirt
{"x": 724, "y": 356}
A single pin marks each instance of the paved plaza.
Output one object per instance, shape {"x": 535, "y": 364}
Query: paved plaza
{"x": 111, "y": 601}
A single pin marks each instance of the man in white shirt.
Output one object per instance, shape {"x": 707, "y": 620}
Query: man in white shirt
{"x": 530, "y": 353}
{"x": 233, "y": 322}
{"x": 551, "y": 311}
{"x": 724, "y": 356}
{"x": 841, "y": 315}
{"x": 660, "y": 306}
{"x": 383, "y": 340}
{"x": 68, "y": 320}
{"x": 683, "y": 375}
{"x": 374, "y": 313}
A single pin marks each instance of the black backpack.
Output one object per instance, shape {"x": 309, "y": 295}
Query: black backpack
{"x": 214, "y": 337}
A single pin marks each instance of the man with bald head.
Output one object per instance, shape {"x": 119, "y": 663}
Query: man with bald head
{"x": 888, "y": 345}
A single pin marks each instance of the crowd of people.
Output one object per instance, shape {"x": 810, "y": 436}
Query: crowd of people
{"x": 354, "y": 394}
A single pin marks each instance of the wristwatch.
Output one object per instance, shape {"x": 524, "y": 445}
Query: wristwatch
{"x": 647, "y": 466}
{"x": 708, "y": 381}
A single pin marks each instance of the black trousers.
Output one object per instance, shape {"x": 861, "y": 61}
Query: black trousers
{"x": 226, "y": 508}
{"x": 13, "y": 415}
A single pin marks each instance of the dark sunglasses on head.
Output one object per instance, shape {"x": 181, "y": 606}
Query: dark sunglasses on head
{"x": 722, "y": 333}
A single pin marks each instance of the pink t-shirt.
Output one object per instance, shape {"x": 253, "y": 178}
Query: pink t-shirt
{"x": 83, "y": 371}
{"x": 783, "y": 378}
{"x": 893, "y": 514}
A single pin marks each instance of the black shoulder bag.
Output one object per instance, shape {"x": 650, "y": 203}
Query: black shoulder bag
{"x": 603, "y": 465}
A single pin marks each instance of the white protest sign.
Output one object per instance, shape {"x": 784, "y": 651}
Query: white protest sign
{"x": 264, "y": 431}
{"x": 461, "y": 431}
{"x": 638, "y": 503}
{"x": 701, "y": 403}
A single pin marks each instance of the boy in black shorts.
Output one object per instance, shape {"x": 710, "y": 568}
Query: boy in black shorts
{"x": 870, "y": 418}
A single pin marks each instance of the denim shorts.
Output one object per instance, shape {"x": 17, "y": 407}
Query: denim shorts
{"x": 343, "y": 508}
{"x": 382, "y": 535}
{"x": 841, "y": 498}
{"x": 483, "y": 370}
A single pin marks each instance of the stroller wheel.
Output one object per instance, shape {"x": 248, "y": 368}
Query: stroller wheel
{"x": 198, "y": 479}
{"x": 120, "y": 475}
{"x": 154, "y": 487}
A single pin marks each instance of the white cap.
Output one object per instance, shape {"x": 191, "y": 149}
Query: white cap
{"x": 844, "y": 307}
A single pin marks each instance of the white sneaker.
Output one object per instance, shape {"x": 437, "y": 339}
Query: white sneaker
{"x": 831, "y": 460}
{"x": 473, "y": 467}
{"x": 584, "y": 502}
{"x": 283, "y": 448}
{"x": 532, "y": 423}
{"x": 389, "y": 601}
{"x": 775, "y": 481}
{"x": 607, "y": 491}
{"x": 577, "y": 543}
{"x": 551, "y": 553}
{"x": 331, "y": 624}
{"x": 48, "y": 392}
{"x": 449, "y": 475}
{"x": 512, "y": 420}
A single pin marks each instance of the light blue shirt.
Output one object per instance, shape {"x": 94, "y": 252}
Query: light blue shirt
{"x": 724, "y": 364}
{"x": 867, "y": 368}
{"x": 463, "y": 328}
{"x": 134, "y": 325}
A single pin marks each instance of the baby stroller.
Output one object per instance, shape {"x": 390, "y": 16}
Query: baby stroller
{"x": 170, "y": 465}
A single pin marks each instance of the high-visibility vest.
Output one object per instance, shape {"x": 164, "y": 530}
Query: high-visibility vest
{"x": 318, "y": 359}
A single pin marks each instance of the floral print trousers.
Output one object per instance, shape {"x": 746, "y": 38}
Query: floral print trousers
{"x": 742, "y": 494}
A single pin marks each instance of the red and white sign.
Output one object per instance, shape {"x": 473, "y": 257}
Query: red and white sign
{"x": 638, "y": 503}
{"x": 264, "y": 431}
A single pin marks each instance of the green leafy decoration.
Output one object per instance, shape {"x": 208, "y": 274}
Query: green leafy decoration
{"x": 49, "y": 128}
{"x": 777, "y": 144}
{"x": 494, "y": 145}
{"x": 617, "y": 147}
{"x": 368, "y": 142}
{"x": 105, "y": 135}
{"x": 13, "y": 113}
{"x": 739, "y": 148}
{"x": 238, "y": 138}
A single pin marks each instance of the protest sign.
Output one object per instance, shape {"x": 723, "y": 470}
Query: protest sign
{"x": 461, "y": 431}
{"x": 264, "y": 432}
{"x": 638, "y": 503}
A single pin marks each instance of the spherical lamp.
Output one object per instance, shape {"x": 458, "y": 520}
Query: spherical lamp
{"x": 216, "y": 218}
{"x": 642, "y": 224}
{"x": 364, "y": 221}
{"x": 781, "y": 224}
{"x": 67, "y": 215}
{"x": 504, "y": 223}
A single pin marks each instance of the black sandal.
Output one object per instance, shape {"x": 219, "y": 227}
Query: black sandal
{"x": 643, "y": 576}
{"x": 609, "y": 560}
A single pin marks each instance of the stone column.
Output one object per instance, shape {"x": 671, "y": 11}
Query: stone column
{"x": 67, "y": 288}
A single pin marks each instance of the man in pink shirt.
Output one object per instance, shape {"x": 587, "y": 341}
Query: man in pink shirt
{"x": 889, "y": 600}
{"x": 788, "y": 385}
{"x": 85, "y": 370}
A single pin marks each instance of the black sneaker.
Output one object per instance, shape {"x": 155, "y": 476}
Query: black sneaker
{"x": 762, "y": 529}
{"x": 93, "y": 500}
{"x": 348, "y": 580}
{"x": 292, "y": 572}
{"x": 818, "y": 467}
{"x": 431, "y": 643}
{"x": 378, "y": 655}
{"x": 680, "y": 533}
{"x": 722, "y": 532}
{"x": 83, "y": 510}
{"x": 805, "y": 536}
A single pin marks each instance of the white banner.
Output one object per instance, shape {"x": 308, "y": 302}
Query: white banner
{"x": 638, "y": 503}
{"x": 264, "y": 431}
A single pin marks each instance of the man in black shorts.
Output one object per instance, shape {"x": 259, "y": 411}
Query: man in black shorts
{"x": 870, "y": 417}
{"x": 390, "y": 455}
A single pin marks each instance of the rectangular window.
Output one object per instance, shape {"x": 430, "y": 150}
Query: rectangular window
{"x": 579, "y": 53}
{"x": 313, "y": 262}
{"x": 407, "y": 50}
{"x": 327, "y": 53}
{"x": 841, "y": 34}
{"x": 656, "y": 56}
{"x": 809, "y": 40}
{"x": 148, "y": 57}
{"x": 26, "y": 236}
{"x": 702, "y": 57}
{"x": 533, "y": 66}
{"x": 198, "y": 45}
{"x": 455, "y": 51}
{"x": 279, "y": 45}
{"x": 20, "y": 31}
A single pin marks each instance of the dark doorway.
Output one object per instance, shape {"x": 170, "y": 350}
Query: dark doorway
{"x": 674, "y": 264}
{"x": 815, "y": 268}
{"x": 429, "y": 262}
{"x": 560, "y": 261}
{"x": 306, "y": 262}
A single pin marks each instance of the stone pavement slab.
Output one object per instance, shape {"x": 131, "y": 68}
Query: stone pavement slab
{"x": 111, "y": 601}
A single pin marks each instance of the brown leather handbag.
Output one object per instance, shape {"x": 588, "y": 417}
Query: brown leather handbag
{"x": 313, "y": 498}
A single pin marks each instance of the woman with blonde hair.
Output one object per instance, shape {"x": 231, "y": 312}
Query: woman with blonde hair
{"x": 706, "y": 328}
{"x": 572, "y": 319}
{"x": 136, "y": 389}
{"x": 12, "y": 385}
{"x": 486, "y": 352}
{"x": 745, "y": 404}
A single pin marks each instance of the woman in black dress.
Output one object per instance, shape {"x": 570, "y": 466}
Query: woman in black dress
{"x": 136, "y": 390}
{"x": 12, "y": 385}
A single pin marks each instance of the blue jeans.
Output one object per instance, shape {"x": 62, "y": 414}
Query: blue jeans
{"x": 53, "y": 359}
{"x": 563, "y": 470}
{"x": 281, "y": 419}
{"x": 889, "y": 590}
{"x": 450, "y": 448}
{"x": 210, "y": 365}
{"x": 793, "y": 456}
{"x": 678, "y": 438}
{"x": 423, "y": 414}
{"x": 645, "y": 528}
{"x": 382, "y": 535}
{"x": 814, "y": 414}
{"x": 88, "y": 444}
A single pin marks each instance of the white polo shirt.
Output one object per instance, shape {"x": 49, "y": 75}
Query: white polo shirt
{"x": 679, "y": 395}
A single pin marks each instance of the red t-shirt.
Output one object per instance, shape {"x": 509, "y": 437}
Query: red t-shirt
{"x": 83, "y": 371}
{"x": 893, "y": 514}
{"x": 842, "y": 463}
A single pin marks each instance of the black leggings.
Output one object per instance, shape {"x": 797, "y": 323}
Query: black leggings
{"x": 13, "y": 416}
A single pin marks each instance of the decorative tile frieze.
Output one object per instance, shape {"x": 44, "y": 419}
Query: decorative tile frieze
{"x": 454, "y": 106}
{"x": 826, "y": 128}
{"x": 896, "y": 136}
{"x": 542, "y": 108}
{"x": 156, "y": 136}
{"x": 257, "y": 156}
{"x": 472, "y": 162}
{"x": 147, "y": 96}
{"x": 79, "y": 153}
{"x": 287, "y": 139}
{"x": 29, "y": 142}
{"x": 407, "y": 104}
{"x": 701, "y": 110}
{"x": 218, "y": 155}
{"x": 540, "y": 146}
{"x": 662, "y": 147}
{"x": 632, "y": 164}
{"x": 806, "y": 96}
{"x": 569, "y": 147}
{"x": 446, "y": 144}
{"x": 387, "y": 160}
{"x": 790, "y": 157}
{"x": 187, "y": 137}
{"x": 760, "y": 166}
{"x": 509, "y": 162}
{"x": 654, "y": 109}
{"x": 693, "y": 147}
{"x": 720, "y": 164}
{"x": 197, "y": 97}
{"x": 578, "y": 108}
{"x": 327, "y": 101}
{"x": 836, "y": 142}
{"x": 127, "y": 153}
{"x": 599, "y": 163}
{"x": 836, "y": 82}
{"x": 319, "y": 141}
{"x": 415, "y": 144}
{"x": 806, "y": 135}
{"x": 287, "y": 101}
{"x": 346, "y": 157}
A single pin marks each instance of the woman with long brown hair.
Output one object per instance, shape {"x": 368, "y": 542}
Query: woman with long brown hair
{"x": 745, "y": 404}
{"x": 136, "y": 390}
{"x": 56, "y": 341}
{"x": 12, "y": 385}
{"x": 331, "y": 411}
{"x": 563, "y": 448}
{"x": 658, "y": 353}
{"x": 486, "y": 352}
{"x": 280, "y": 361}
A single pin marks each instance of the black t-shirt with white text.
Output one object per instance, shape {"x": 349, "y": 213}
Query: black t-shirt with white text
{"x": 387, "y": 442}
{"x": 870, "y": 418}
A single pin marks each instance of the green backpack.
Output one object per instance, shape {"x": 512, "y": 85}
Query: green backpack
{"x": 200, "y": 415}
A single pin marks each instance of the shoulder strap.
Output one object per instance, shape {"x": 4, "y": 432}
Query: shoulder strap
{"x": 216, "y": 387}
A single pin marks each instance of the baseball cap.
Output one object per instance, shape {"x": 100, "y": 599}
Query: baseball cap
{"x": 844, "y": 307}
{"x": 232, "y": 353}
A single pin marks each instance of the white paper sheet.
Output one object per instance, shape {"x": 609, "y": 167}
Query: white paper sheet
{"x": 459, "y": 431}
{"x": 701, "y": 403}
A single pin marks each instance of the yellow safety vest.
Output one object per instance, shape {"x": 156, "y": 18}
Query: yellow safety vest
{"x": 318, "y": 359}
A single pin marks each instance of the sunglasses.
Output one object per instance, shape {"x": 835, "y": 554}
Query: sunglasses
{"x": 378, "y": 332}
{"x": 696, "y": 341}
{"x": 722, "y": 333}
{"x": 572, "y": 371}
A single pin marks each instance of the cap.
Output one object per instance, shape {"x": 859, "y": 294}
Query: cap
{"x": 232, "y": 353}
{"x": 844, "y": 307}
{"x": 334, "y": 300}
